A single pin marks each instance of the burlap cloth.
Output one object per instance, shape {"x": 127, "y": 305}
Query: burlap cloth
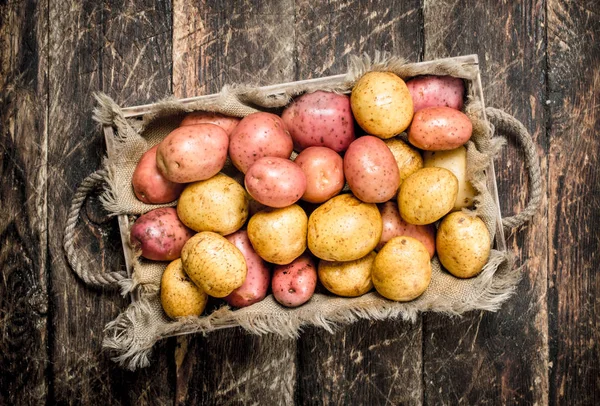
{"x": 133, "y": 333}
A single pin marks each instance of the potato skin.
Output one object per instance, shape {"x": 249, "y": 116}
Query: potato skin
{"x": 436, "y": 91}
{"x": 427, "y": 195}
{"x": 320, "y": 119}
{"x": 259, "y": 135}
{"x": 149, "y": 185}
{"x": 408, "y": 159}
{"x": 463, "y": 244}
{"x": 371, "y": 170}
{"x": 402, "y": 270}
{"x": 180, "y": 296}
{"x": 192, "y": 152}
{"x": 214, "y": 264}
{"x": 347, "y": 279}
{"x": 160, "y": 234}
{"x": 294, "y": 284}
{"x": 344, "y": 229}
{"x": 324, "y": 171}
{"x": 227, "y": 123}
{"x": 394, "y": 226}
{"x": 254, "y": 289}
{"x": 275, "y": 182}
{"x": 455, "y": 160}
{"x": 381, "y": 104}
{"x": 218, "y": 204}
{"x": 439, "y": 129}
{"x": 279, "y": 235}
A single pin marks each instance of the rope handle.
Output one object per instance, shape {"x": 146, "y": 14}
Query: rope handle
{"x": 80, "y": 265}
{"x": 507, "y": 124}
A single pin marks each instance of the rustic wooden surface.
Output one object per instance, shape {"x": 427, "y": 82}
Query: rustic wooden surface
{"x": 539, "y": 61}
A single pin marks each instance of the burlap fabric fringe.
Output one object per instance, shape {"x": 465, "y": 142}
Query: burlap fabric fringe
{"x": 135, "y": 331}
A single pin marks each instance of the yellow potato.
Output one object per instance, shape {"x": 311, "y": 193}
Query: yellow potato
{"x": 349, "y": 279}
{"x": 455, "y": 160}
{"x": 218, "y": 204}
{"x": 427, "y": 195}
{"x": 214, "y": 264}
{"x": 463, "y": 244}
{"x": 180, "y": 296}
{"x": 409, "y": 159}
{"x": 381, "y": 104}
{"x": 401, "y": 270}
{"x": 279, "y": 235}
{"x": 344, "y": 229}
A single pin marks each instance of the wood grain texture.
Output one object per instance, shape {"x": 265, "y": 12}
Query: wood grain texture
{"x": 23, "y": 237}
{"x": 214, "y": 45}
{"x": 368, "y": 362}
{"x": 574, "y": 201}
{"x": 96, "y": 46}
{"x": 502, "y": 357}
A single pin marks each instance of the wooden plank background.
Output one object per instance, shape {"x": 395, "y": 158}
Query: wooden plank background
{"x": 540, "y": 61}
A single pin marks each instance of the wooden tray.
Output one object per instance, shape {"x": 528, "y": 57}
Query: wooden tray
{"x": 139, "y": 111}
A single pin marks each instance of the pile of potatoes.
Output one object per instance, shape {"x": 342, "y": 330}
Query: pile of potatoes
{"x": 289, "y": 226}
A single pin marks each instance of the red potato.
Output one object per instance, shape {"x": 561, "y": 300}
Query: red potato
{"x": 275, "y": 182}
{"x": 149, "y": 185}
{"x": 259, "y": 135}
{"x": 320, "y": 119}
{"x": 395, "y": 226}
{"x": 371, "y": 170}
{"x": 324, "y": 171}
{"x": 160, "y": 234}
{"x": 436, "y": 91}
{"x": 192, "y": 153}
{"x": 439, "y": 129}
{"x": 254, "y": 289}
{"x": 294, "y": 284}
{"x": 227, "y": 123}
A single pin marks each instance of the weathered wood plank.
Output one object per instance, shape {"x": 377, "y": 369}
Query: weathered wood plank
{"x": 574, "y": 200}
{"x": 23, "y": 168}
{"x": 117, "y": 48}
{"x": 368, "y": 362}
{"x": 484, "y": 357}
{"x": 214, "y": 45}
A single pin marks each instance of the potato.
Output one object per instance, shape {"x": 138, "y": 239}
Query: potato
{"x": 320, "y": 119}
{"x": 279, "y": 235}
{"x": 180, "y": 296}
{"x": 218, "y": 204}
{"x": 427, "y": 195}
{"x": 214, "y": 264}
{"x": 344, "y": 229}
{"x": 324, "y": 171}
{"x": 381, "y": 104}
{"x": 455, "y": 160}
{"x": 371, "y": 170}
{"x": 254, "y": 288}
{"x": 294, "y": 284}
{"x": 159, "y": 234}
{"x": 227, "y": 123}
{"x": 463, "y": 244}
{"x": 348, "y": 279}
{"x": 275, "y": 182}
{"x": 439, "y": 129}
{"x": 149, "y": 185}
{"x": 193, "y": 152}
{"x": 436, "y": 91}
{"x": 402, "y": 270}
{"x": 394, "y": 226}
{"x": 407, "y": 158}
{"x": 259, "y": 135}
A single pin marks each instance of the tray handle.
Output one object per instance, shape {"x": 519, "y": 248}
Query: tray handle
{"x": 509, "y": 125}
{"x": 107, "y": 280}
